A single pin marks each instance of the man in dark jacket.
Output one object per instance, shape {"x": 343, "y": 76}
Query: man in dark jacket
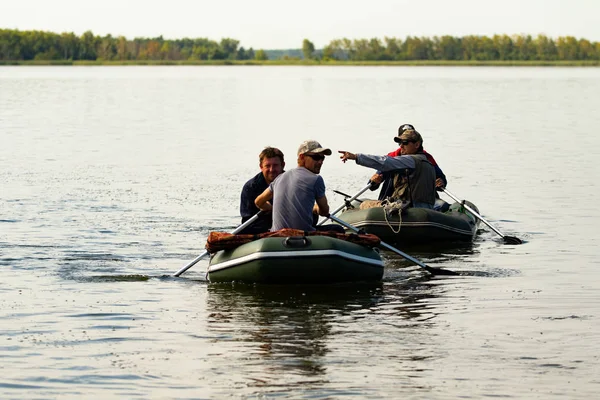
{"x": 271, "y": 164}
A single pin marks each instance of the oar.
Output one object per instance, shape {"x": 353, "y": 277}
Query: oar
{"x": 431, "y": 270}
{"x": 348, "y": 201}
{"x": 507, "y": 239}
{"x": 346, "y": 195}
{"x": 236, "y": 231}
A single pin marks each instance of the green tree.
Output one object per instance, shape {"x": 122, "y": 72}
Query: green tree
{"x": 260, "y": 55}
{"x": 587, "y": 50}
{"x": 107, "y": 48}
{"x": 415, "y": 48}
{"x": 525, "y": 48}
{"x": 10, "y": 45}
{"x": 505, "y": 47}
{"x": 392, "y": 48}
{"x": 229, "y": 48}
{"x": 447, "y": 48}
{"x": 165, "y": 51}
{"x": 335, "y": 50}
{"x": 88, "y": 43}
{"x": 545, "y": 48}
{"x": 153, "y": 50}
{"x": 69, "y": 46}
{"x": 376, "y": 50}
{"x": 361, "y": 50}
{"x": 123, "y": 52}
{"x": 308, "y": 49}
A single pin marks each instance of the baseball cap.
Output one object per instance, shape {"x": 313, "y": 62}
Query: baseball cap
{"x": 409, "y": 134}
{"x": 312, "y": 146}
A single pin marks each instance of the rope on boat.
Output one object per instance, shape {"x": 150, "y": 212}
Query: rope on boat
{"x": 391, "y": 209}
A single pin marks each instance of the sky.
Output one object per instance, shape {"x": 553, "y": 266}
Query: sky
{"x": 281, "y": 24}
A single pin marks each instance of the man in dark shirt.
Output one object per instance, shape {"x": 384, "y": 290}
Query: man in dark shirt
{"x": 271, "y": 164}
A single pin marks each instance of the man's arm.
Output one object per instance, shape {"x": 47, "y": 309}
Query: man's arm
{"x": 440, "y": 181}
{"x": 262, "y": 201}
{"x": 323, "y": 206}
{"x": 385, "y": 163}
{"x": 247, "y": 206}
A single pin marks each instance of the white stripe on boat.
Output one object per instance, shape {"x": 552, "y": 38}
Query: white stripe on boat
{"x": 406, "y": 224}
{"x": 294, "y": 254}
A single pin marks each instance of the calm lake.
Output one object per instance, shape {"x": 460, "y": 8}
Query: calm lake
{"x": 111, "y": 179}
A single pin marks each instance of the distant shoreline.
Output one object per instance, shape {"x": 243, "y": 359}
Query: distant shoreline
{"x": 416, "y": 63}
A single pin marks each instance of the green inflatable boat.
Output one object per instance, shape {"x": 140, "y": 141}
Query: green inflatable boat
{"x": 415, "y": 225}
{"x": 297, "y": 260}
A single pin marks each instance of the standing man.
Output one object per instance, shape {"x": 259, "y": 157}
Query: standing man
{"x": 271, "y": 164}
{"x": 295, "y": 193}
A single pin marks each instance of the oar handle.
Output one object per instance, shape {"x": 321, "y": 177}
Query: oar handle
{"x": 235, "y": 232}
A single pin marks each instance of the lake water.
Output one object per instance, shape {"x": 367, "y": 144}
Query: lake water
{"x": 111, "y": 179}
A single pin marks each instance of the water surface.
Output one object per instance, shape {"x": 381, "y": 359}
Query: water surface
{"x": 112, "y": 178}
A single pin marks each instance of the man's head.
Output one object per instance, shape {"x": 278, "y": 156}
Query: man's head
{"x": 311, "y": 155}
{"x": 271, "y": 163}
{"x": 410, "y": 141}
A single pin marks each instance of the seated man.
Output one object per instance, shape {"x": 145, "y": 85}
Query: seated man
{"x": 412, "y": 175}
{"x": 294, "y": 193}
{"x": 387, "y": 188}
{"x": 271, "y": 164}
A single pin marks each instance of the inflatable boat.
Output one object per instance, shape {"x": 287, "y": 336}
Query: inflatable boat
{"x": 415, "y": 225}
{"x": 294, "y": 257}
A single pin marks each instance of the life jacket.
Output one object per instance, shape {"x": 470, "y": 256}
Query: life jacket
{"x": 417, "y": 186}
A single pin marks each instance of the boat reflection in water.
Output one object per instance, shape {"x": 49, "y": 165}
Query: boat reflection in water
{"x": 288, "y": 335}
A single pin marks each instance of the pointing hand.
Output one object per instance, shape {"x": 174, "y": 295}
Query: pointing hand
{"x": 346, "y": 155}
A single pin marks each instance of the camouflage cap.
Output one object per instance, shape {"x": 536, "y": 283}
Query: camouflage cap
{"x": 312, "y": 146}
{"x": 410, "y": 135}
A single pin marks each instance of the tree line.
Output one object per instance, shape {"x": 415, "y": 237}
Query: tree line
{"x": 466, "y": 48}
{"x": 40, "y": 45}
{"x": 18, "y": 45}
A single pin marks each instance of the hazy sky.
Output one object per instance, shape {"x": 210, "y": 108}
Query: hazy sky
{"x": 281, "y": 24}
